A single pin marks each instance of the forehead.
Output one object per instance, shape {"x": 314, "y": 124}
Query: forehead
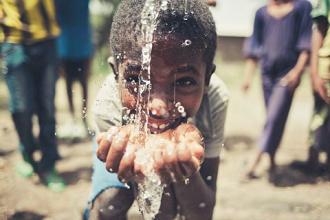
{"x": 170, "y": 50}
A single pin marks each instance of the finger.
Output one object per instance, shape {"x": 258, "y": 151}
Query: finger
{"x": 187, "y": 131}
{"x": 100, "y": 137}
{"x": 324, "y": 93}
{"x": 116, "y": 151}
{"x": 185, "y": 161}
{"x": 126, "y": 167}
{"x": 105, "y": 143}
{"x": 160, "y": 167}
{"x": 196, "y": 150}
{"x": 171, "y": 163}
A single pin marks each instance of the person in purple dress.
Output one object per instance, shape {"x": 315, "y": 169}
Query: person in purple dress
{"x": 281, "y": 41}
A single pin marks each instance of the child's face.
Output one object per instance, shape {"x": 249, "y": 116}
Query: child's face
{"x": 178, "y": 82}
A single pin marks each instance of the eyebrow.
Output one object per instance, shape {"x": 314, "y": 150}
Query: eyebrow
{"x": 183, "y": 69}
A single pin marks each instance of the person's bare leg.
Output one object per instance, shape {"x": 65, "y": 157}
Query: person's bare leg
{"x": 255, "y": 162}
{"x": 112, "y": 203}
{"x": 69, "y": 83}
{"x": 272, "y": 168}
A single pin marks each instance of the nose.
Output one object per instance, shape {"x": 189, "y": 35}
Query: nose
{"x": 158, "y": 106}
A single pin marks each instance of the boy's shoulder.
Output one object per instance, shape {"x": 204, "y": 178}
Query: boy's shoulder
{"x": 218, "y": 88}
{"x": 302, "y": 4}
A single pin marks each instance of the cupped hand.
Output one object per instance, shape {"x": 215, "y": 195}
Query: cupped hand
{"x": 182, "y": 156}
{"x": 176, "y": 154}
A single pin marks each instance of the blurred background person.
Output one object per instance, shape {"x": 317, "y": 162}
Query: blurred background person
{"x": 75, "y": 49}
{"x": 281, "y": 41}
{"x": 319, "y": 138}
{"x": 27, "y": 37}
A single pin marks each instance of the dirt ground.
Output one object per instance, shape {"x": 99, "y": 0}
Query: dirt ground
{"x": 295, "y": 196}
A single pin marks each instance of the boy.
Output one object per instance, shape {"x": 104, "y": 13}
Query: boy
{"x": 319, "y": 139}
{"x": 75, "y": 56}
{"x": 180, "y": 72}
{"x": 281, "y": 40}
{"x": 28, "y": 30}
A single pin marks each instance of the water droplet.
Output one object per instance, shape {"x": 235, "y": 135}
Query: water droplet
{"x": 101, "y": 210}
{"x": 186, "y": 181}
{"x": 111, "y": 207}
{"x": 127, "y": 186}
{"x": 181, "y": 109}
{"x": 79, "y": 69}
{"x": 185, "y": 17}
{"x": 202, "y": 205}
{"x": 186, "y": 43}
{"x": 209, "y": 178}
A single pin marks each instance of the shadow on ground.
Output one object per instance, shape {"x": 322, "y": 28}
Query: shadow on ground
{"x": 289, "y": 176}
{"x": 73, "y": 177}
{"x": 26, "y": 216}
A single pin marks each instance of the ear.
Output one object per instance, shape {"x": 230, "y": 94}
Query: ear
{"x": 112, "y": 63}
{"x": 208, "y": 77}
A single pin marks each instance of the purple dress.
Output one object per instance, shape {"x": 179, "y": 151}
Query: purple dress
{"x": 277, "y": 42}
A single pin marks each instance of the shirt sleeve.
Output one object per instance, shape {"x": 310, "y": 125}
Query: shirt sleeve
{"x": 252, "y": 45}
{"x": 107, "y": 109}
{"x": 218, "y": 102}
{"x": 305, "y": 29}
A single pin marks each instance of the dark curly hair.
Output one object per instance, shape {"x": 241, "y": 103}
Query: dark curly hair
{"x": 192, "y": 21}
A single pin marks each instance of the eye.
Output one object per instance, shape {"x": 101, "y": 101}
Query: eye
{"x": 185, "y": 82}
{"x": 132, "y": 79}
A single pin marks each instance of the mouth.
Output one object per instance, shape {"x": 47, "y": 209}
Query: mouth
{"x": 159, "y": 126}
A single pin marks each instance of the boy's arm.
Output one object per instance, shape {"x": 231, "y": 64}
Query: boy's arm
{"x": 292, "y": 79}
{"x": 250, "y": 67}
{"x": 318, "y": 85}
{"x": 197, "y": 198}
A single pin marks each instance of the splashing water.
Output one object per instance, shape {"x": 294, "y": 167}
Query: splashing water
{"x": 150, "y": 189}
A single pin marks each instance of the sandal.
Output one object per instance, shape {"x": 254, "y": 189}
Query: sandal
{"x": 53, "y": 180}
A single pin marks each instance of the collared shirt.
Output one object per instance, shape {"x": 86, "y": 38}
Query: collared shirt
{"x": 210, "y": 118}
{"x": 27, "y": 21}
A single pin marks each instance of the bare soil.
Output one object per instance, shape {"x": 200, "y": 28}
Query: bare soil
{"x": 295, "y": 194}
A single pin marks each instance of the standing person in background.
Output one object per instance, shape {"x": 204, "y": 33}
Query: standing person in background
{"x": 281, "y": 41}
{"x": 319, "y": 139}
{"x": 27, "y": 35}
{"x": 75, "y": 50}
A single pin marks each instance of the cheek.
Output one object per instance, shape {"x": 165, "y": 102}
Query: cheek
{"x": 191, "y": 105}
{"x": 127, "y": 99}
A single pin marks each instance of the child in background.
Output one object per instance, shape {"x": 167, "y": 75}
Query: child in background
{"x": 181, "y": 78}
{"x": 28, "y": 29}
{"x": 281, "y": 41}
{"x": 319, "y": 139}
{"x": 75, "y": 50}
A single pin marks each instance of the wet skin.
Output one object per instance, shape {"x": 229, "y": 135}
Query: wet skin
{"x": 178, "y": 76}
